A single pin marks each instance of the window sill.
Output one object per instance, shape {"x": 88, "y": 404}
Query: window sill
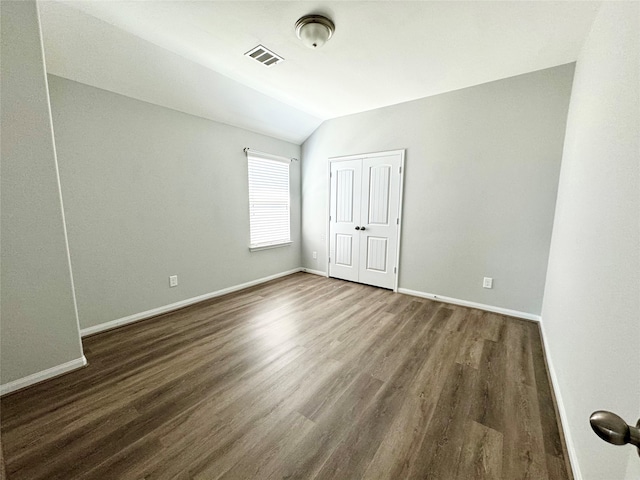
{"x": 267, "y": 247}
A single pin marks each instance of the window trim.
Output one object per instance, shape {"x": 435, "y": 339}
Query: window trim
{"x": 269, "y": 247}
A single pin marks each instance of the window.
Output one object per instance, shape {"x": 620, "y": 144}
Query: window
{"x": 269, "y": 217}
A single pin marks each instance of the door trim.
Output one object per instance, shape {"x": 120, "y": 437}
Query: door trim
{"x": 362, "y": 156}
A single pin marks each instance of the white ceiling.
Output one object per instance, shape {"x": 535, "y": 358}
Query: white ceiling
{"x": 382, "y": 53}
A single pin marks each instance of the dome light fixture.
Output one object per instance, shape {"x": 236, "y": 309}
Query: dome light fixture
{"x": 314, "y": 30}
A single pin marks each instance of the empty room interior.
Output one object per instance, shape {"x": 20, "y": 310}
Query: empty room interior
{"x": 320, "y": 239}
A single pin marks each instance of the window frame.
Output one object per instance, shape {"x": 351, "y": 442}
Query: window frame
{"x": 265, "y": 158}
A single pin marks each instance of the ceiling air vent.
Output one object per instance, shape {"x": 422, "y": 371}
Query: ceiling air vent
{"x": 264, "y": 56}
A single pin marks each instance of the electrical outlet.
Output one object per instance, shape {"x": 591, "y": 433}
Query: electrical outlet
{"x": 487, "y": 282}
{"x": 173, "y": 281}
{"x": 315, "y": 255}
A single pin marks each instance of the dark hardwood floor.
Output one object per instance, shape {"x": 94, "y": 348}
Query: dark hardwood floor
{"x": 302, "y": 377}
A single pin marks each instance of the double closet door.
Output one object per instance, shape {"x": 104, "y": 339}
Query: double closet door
{"x": 364, "y": 218}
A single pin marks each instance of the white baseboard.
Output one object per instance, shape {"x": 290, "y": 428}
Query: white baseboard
{"x": 573, "y": 459}
{"x": 315, "y": 272}
{"x": 183, "y": 303}
{"x": 465, "y": 303}
{"x": 43, "y": 375}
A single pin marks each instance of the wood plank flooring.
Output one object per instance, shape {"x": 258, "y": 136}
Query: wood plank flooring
{"x": 300, "y": 378}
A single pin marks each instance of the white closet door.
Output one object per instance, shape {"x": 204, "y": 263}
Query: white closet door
{"x": 344, "y": 241}
{"x": 379, "y": 219}
{"x": 364, "y": 218}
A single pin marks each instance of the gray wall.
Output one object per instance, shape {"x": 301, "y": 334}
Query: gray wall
{"x": 591, "y": 311}
{"x": 151, "y": 192}
{"x": 481, "y": 177}
{"x": 38, "y": 322}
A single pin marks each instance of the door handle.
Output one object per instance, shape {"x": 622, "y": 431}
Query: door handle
{"x": 362, "y": 228}
{"x": 613, "y": 429}
{"x": 357, "y": 228}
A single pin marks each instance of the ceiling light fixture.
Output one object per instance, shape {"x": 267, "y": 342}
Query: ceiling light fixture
{"x": 314, "y": 30}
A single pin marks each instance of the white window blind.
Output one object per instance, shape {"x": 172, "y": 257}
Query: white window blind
{"x": 269, "y": 218}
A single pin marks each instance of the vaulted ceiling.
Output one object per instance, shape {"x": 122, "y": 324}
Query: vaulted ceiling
{"x": 189, "y": 55}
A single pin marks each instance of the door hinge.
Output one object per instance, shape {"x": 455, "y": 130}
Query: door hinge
{"x": 329, "y": 217}
{"x": 329, "y": 259}
{"x": 397, "y": 221}
{"x": 400, "y": 170}
{"x": 395, "y": 270}
{"x": 330, "y": 174}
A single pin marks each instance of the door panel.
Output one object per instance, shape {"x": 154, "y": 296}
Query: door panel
{"x": 379, "y": 177}
{"x": 377, "y": 254}
{"x": 344, "y": 241}
{"x": 344, "y": 250}
{"x": 344, "y": 195}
